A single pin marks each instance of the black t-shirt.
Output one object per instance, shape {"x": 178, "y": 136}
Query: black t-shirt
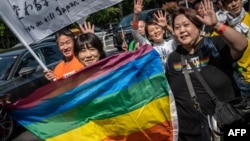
{"x": 217, "y": 72}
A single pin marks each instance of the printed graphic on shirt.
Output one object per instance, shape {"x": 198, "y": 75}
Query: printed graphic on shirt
{"x": 177, "y": 66}
{"x": 69, "y": 74}
{"x": 198, "y": 63}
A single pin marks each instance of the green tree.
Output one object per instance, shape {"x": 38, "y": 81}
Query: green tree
{"x": 7, "y": 38}
{"x": 107, "y": 15}
{"x": 116, "y": 12}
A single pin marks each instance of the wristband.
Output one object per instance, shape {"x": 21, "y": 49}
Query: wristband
{"x": 135, "y": 23}
{"x": 222, "y": 29}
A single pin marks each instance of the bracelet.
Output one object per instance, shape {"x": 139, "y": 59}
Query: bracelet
{"x": 135, "y": 23}
{"x": 222, "y": 29}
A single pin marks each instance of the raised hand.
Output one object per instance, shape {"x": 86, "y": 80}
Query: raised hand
{"x": 161, "y": 18}
{"x": 49, "y": 75}
{"x": 138, "y": 6}
{"x": 209, "y": 17}
{"x": 4, "y": 100}
{"x": 87, "y": 27}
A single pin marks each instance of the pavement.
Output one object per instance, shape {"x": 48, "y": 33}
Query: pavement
{"x": 109, "y": 47}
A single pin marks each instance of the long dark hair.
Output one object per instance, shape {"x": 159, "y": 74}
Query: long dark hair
{"x": 190, "y": 14}
{"x": 87, "y": 39}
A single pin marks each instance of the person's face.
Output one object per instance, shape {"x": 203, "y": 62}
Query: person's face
{"x": 88, "y": 55}
{"x": 155, "y": 33}
{"x": 141, "y": 28}
{"x": 198, "y": 9}
{"x": 234, "y": 7}
{"x": 185, "y": 31}
{"x": 66, "y": 46}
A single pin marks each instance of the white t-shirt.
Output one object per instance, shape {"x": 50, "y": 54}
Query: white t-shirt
{"x": 164, "y": 49}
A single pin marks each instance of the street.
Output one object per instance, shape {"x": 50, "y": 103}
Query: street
{"x": 109, "y": 46}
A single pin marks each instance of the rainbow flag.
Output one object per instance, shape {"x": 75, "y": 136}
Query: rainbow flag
{"x": 124, "y": 97}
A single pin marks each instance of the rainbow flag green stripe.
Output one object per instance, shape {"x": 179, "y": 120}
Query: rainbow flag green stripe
{"x": 105, "y": 107}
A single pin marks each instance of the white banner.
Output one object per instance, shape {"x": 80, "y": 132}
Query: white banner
{"x": 35, "y": 19}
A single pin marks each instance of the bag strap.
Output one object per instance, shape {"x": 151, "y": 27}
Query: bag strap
{"x": 211, "y": 121}
{"x": 189, "y": 84}
{"x": 201, "y": 79}
{"x": 187, "y": 78}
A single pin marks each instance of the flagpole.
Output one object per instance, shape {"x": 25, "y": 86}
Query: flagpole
{"x": 23, "y": 41}
{"x": 186, "y": 3}
{"x": 123, "y": 35}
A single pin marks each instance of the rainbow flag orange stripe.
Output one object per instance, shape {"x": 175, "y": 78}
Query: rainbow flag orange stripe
{"x": 123, "y": 97}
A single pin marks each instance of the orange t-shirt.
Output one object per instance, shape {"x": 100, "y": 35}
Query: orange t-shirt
{"x": 66, "y": 69}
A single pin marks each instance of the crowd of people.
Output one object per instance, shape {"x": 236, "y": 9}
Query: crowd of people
{"x": 227, "y": 74}
{"x": 224, "y": 66}
{"x": 195, "y": 26}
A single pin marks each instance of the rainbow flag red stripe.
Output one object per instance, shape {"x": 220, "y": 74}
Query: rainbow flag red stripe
{"x": 123, "y": 97}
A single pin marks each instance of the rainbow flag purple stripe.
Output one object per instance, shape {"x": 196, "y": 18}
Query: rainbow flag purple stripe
{"x": 123, "y": 97}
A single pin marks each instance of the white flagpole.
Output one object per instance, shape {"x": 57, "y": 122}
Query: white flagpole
{"x": 186, "y": 4}
{"x": 22, "y": 41}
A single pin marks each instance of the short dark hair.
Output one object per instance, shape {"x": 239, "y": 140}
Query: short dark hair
{"x": 87, "y": 39}
{"x": 190, "y": 14}
{"x": 65, "y": 31}
{"x": 224, "y": 2}
{"x": 151, "y": 22}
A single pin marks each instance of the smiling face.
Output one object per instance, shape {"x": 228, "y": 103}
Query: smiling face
{"x": 88, "y": 55}
{"x": 66, "y": 46}
{"x": 155, "y": 33}
{"x": 185, "y": 31}
{"x": 89, "y": 49}
{"x": 233, "y": 7}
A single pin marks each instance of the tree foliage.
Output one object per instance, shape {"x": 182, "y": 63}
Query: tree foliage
{"x": 107, "y": 15}
{"x": 7, "y": 38}
{"x": 116, "y": 12}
